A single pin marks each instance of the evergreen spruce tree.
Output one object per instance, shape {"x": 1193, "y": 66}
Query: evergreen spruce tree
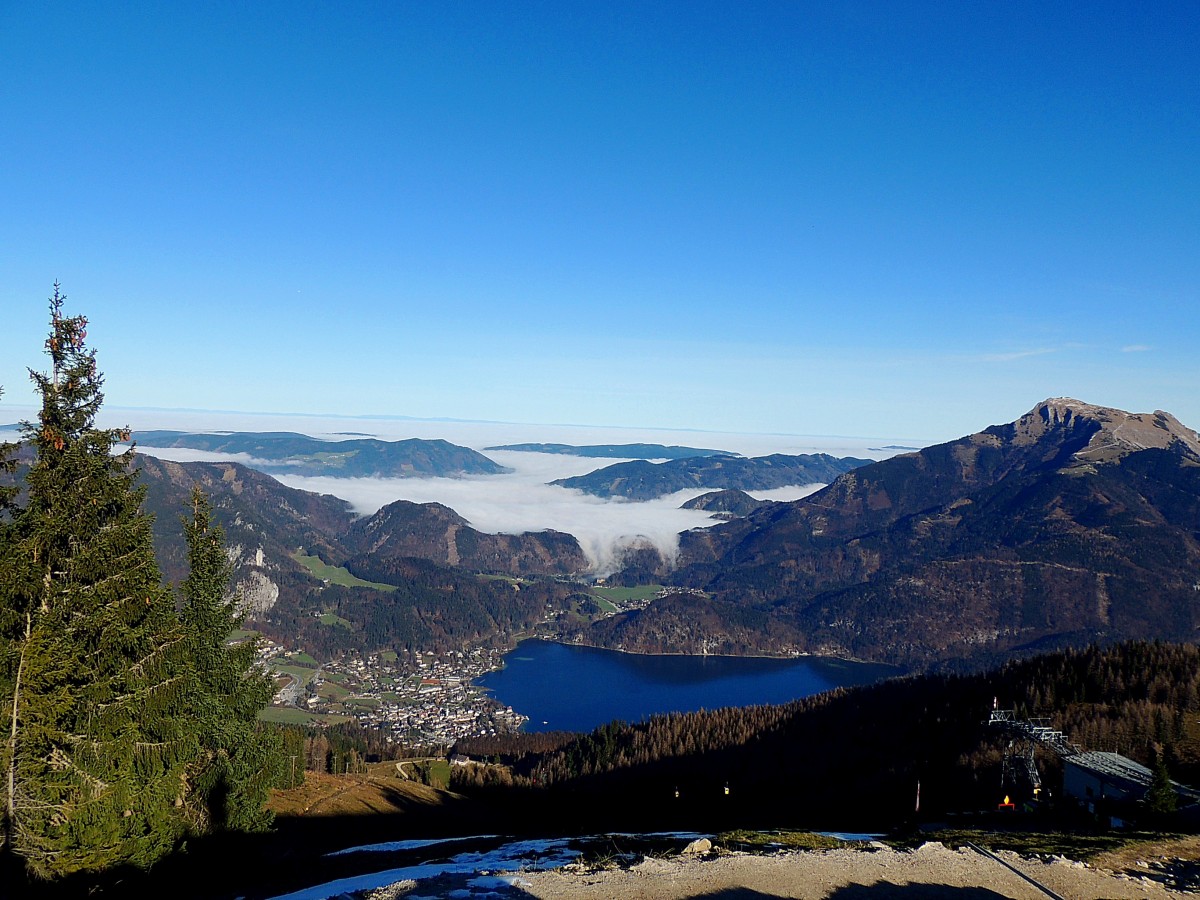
{"x": 96, "y": 734}
{"x": 239, "y": 760}
{"x": 8, "y": 492}
{"x": 1161, "y": 799}
{"x": 9, "y": 621}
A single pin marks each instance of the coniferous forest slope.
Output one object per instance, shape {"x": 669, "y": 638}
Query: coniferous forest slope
{"x": 853, "y": 757}
{"x": 1074, "y": 524}
{"x": 425, "y": 560}
{"x": 431, "y": 603}
{"x": 437, "y": 533}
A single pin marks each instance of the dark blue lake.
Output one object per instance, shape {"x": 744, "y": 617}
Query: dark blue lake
{"x": 567, "y": 688}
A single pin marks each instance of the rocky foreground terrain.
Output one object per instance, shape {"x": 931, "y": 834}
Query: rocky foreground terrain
{"x": 848, "y": 873}
{"x": 931, "y": 871}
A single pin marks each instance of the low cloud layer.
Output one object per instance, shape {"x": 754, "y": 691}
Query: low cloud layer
{"x": 523, "y": 500}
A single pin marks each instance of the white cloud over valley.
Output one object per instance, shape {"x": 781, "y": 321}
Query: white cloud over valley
{"x": 521, "y": 500}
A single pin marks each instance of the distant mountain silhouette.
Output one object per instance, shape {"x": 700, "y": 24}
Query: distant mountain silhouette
{"x": 616, "y": 451}
{"x": 640, "y": 480}
{"x": 285, "y": 452}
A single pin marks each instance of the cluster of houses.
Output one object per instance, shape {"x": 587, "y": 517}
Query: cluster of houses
{"x": 417, "y": 698}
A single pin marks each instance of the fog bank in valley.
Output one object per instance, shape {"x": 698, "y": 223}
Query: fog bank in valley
{"x": 521, "y": 500}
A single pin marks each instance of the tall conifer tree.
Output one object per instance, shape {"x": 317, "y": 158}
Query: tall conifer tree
{"x": 239, "y": 761}
{"x": 97, "y": 739}
{"x": 8, "y": 492}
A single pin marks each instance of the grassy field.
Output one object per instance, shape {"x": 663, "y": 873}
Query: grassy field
{"x": 771, "y": 840}
{"x": 507, "y": 578}
{"x": 334, "y": 619}
{"x": 624, "y": 594}
{"x": 331, "y": 691}
{"x": 605, "y": 604}
{"x": 1082, "y": 846}
{"x": 434, "y": 772}
{"x": 303, "y": 674}
{"x": 286, "y": 715}
{"x": 380, "y": 792}
{"x": 336, "y": 574}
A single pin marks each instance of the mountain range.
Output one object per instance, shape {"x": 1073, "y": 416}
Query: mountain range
{"x": 437, "y": 533}
{"x": 616, "y": 451}
{"x": 642, "y": 480}
{"x": 1074, "y": 524}
{"x": 285, "y": 452}
{"x": 441, "y": 600}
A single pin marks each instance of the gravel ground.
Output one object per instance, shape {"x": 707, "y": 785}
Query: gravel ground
{"x": 932, "y": 871}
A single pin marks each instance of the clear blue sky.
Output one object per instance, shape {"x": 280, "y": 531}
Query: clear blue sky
{"x": 894, "y": 219}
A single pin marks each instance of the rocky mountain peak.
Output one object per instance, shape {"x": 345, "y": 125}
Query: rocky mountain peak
{"x": 1114, "y": 433}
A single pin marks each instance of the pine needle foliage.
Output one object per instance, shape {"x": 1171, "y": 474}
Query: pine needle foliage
{"x": 239, "y": 760}
{"x": 127, "y": 725}
{"x": 8, "y": 493}
{"x": 98, "y": 737}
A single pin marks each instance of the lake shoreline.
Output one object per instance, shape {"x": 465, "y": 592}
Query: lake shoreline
{"x": 797, "y": 655}
{"x": 561, "y": 686}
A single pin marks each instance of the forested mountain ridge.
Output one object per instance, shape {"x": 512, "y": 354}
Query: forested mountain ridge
{"x": 439, "y": 602}
{"x": 265, "y": 522}
{"x": 285, "y": 452}
{"x": 727, "y": 504}
{"x": 642, "y": 480}
{"x": 1072, "y": 524}
{"x": 437, "y": 533}
{"x": 855, "y": 756}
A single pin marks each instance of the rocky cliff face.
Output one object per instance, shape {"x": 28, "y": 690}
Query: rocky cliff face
{"x": 264, "y": 522}
{"x": 1073, "y": 523}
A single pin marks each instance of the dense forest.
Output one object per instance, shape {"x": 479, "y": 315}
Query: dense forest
{"x": 855, "y": 756}
{"x": 431, "y": 608}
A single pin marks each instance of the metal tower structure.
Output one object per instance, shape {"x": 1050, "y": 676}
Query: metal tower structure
{"x": 1026, "y": 735}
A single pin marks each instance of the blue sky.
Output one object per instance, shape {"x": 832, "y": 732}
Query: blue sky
{"x": 881, "y": 219}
